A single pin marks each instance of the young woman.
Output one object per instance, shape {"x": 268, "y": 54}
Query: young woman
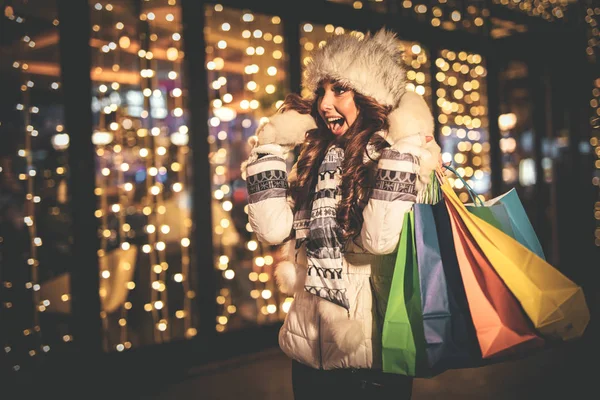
{"x": 366, "y": 153}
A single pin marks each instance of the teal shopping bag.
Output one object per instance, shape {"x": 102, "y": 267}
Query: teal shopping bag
{"x": 403, "y": 338}
{"x": 505, "y": 212}
{"x": 508, "y": 207}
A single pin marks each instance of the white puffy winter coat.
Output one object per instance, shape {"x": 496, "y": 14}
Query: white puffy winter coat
{"x": 309, "y": 332}
{"x": 312, "y": 332}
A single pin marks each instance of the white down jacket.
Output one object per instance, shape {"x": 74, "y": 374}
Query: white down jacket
{"x": 312, "y": 332}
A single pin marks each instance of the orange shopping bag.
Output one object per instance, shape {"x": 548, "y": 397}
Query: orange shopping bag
{"x": 500, "y": 324}
{"x": 555, "y": 305}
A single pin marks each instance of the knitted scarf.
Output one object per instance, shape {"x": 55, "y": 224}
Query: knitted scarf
{"x": 316, "y": 225}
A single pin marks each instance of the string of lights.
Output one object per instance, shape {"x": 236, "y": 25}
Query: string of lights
{"x": 109, "y": 144}
{"x": 266, "y": 302}
{"x": 447, "y": 14}
{"x": 141, "y": 154}
{"x": 180, "y": 187}
{"x": 153, "y": 198}
{"x": 592, "y": 18}
{"x": 120, "y": 208}
{"x": 549, "y": 10}
{"x": 33, "y": 342}
{"x": 219, "y": 171}
{"x": 258, "y": 85}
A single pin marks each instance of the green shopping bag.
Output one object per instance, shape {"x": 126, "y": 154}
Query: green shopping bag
{"x": 403, "y": 337}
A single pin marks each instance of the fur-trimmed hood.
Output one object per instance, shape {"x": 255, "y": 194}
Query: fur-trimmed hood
{"x": 370, "y": 64}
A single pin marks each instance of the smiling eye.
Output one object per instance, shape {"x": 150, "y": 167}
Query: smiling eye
{"x": 339, "y": 90}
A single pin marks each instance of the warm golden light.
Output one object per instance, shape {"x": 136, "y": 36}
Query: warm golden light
{"x": 507, "y": 122}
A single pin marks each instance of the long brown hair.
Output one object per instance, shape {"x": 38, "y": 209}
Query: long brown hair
{"x": 356, "y": 179}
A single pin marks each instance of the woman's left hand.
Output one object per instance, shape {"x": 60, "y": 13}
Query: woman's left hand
{"x": 286, "y": 129}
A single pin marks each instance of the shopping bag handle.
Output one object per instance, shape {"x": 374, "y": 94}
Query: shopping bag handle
{"x": 474, "y": 197}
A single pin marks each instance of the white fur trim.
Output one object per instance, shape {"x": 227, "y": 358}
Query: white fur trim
{"x": 253, "y": 141}
{"x": 411, "y": 117}
{"x": 410, "y": 125}
{"x": 409, "y": 144}
{"x": 347, "y": 333}
{"x": 244, "y": 166}
{"x": 289, "y": 277}
{"x": 287, "y": 129}
{"x": 371, "y": 65}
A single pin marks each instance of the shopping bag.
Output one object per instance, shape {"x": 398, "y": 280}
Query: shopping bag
{"x": 508, "y": 207}
{"x": 505, "y": 212}
{"x": 555, "y": 304}
{"x": 403, "y": 341}
{"x": 449, "y": 334}
{"x": 502, "y": 327}
{"x": 493, "y": 215}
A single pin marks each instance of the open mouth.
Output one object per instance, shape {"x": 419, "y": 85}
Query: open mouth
{"x": 336, "y": 125}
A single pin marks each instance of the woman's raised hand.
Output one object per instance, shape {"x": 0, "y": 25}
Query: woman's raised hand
{"x": 286, "y": 129}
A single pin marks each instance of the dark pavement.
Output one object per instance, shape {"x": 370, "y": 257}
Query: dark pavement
{"x": 568, "y": 372}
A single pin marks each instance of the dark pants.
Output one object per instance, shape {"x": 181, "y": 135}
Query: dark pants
{"x": 348, "y": 384}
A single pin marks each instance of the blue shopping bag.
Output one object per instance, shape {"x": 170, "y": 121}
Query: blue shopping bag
{"x": 449, "y": 334}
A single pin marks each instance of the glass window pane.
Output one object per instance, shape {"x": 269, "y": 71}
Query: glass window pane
{"x": 518, "y": 153}
{"x": 247, "y": 81}
{"x": 516, "y": 131}
{"x": 35, "y": 225}
{"x": 142, "y": 174}
{"x": 464, "y": 130}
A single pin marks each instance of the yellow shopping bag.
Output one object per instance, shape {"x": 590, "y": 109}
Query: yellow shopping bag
{"x": 555, "y": 304}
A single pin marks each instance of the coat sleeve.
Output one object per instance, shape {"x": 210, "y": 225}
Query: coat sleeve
{"x": 269, "y": 213}
{"x": 393, "y": 195}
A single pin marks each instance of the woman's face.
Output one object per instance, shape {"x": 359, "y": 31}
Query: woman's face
{"x": 337, "y": 107}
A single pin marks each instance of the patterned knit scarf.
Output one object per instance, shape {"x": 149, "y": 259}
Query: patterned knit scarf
{"x": 317, "y": 226}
